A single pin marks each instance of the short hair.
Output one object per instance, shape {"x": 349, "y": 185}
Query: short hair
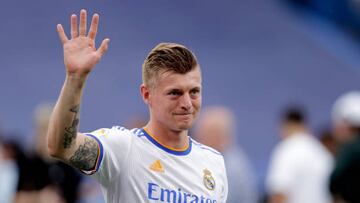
{"x": 167, "y": 57}
{"x": 294, "y": 114}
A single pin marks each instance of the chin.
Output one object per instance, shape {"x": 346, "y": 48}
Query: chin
{"x": 184, "y": 126}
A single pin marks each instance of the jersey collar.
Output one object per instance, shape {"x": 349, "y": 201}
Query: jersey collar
{"x": 168, "y": 149}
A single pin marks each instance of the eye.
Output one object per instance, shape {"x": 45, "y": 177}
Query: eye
{"x": 194, "y": 91}
{"x": 175, "y": 93}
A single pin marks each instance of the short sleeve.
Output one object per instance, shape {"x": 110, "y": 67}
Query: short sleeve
{"x": 114, "y": 147}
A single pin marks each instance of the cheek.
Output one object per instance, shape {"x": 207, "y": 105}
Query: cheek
{"x": 167, "y": 107}
{"x": 197, "y": 103}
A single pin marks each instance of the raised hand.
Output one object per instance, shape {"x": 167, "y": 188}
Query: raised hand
{"x": 80, "y": 54}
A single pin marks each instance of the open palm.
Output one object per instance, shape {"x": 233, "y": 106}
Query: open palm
{"x": 80, "y": 54}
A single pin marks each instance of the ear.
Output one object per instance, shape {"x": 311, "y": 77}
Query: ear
{"x": 145, "y": 93}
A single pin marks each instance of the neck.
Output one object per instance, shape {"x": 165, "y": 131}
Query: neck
{"x": 293, "y": 130}
{"x": 174, "y": 139}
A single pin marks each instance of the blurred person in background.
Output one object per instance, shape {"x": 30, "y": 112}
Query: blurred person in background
{"x": 8, "y": 172}
{"x": 42, "y": 178}
{"x": 345, "y": 179}
{"x": 300, "y": 165}
{"x": 217, "y": 128}
{"x": 327, "y": 138}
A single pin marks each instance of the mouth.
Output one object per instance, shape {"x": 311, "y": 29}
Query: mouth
{"x": 183, "y": 114}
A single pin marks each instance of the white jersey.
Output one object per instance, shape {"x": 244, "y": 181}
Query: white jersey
{"x": 133, "y": 167}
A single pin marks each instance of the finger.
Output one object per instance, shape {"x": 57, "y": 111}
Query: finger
{"x": 103, "y": 47}
{"x": 61, "y": 33}
{"x": 94, "y": 26}
{"x": 82, "y": 27}
{"x": 74, "y": 27}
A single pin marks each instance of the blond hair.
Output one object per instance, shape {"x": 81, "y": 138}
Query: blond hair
{"x": 167, "y": 57}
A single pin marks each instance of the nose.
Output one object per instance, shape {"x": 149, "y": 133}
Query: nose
{"x": 185, "y": 102}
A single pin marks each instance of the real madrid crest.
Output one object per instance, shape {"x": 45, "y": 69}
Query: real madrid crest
{"x": 209, "y": 181}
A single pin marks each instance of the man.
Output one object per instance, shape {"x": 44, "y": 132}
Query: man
{"x": 345, "y": 179}
{"x": 217, "y": 128}
{"x": 300, "y": 165}
{"x": 158, "y": 163}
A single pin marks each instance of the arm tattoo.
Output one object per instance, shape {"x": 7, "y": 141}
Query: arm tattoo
{"x": 71, "y": 131}
{"x": 85, "y": 156}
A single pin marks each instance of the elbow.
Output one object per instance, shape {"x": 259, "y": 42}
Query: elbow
{"x": 52, "y": 152}
{"x": 56, "y": 153}
{"x": 52, "y": 149}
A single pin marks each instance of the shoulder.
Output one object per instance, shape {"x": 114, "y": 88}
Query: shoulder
{"x": 115, "y": 134}
{"x": 291, "y": 144}
{"x": 209, "y": 157}
{"x": 284, "y": 151}
{"x": 204, "y": 149}
{"x": 115, "y": 131}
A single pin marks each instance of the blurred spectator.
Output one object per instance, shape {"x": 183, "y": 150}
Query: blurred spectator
{"x": 344, "y": 114}
{"x": 327, "y": 139}
{"x": 9, "y": 172}
{"x": 345, "y": 179}
{"x": 43, "y": 179}
{"x": 216, "y": 128}
{"x": 300, "y": 166}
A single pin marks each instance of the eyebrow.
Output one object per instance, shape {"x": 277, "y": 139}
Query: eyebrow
{"x": 180, "y": 89}
{"x": 196, "y": 88}
{"x": 173, "y": 90}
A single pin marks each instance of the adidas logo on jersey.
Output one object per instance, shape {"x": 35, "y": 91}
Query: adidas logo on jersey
{"x": 157, "y": 166}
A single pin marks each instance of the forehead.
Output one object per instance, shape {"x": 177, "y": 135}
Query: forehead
{"x": 171, "y": 79}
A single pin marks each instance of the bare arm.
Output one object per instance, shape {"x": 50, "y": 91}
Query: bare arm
{"x": 80, "y": 57}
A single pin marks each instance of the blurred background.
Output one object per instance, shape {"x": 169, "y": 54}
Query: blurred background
{"x": 257, "y": 56}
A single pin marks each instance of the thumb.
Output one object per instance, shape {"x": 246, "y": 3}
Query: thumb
{"x": 103, "y": 47}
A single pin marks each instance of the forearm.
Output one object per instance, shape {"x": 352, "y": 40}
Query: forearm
{"x": 64, "y": 122}
{"x": 80, "y": 57}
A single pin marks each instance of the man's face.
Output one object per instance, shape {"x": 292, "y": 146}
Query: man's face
{"x": 176, "y": 99}
{"x": 342, "y": 132}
